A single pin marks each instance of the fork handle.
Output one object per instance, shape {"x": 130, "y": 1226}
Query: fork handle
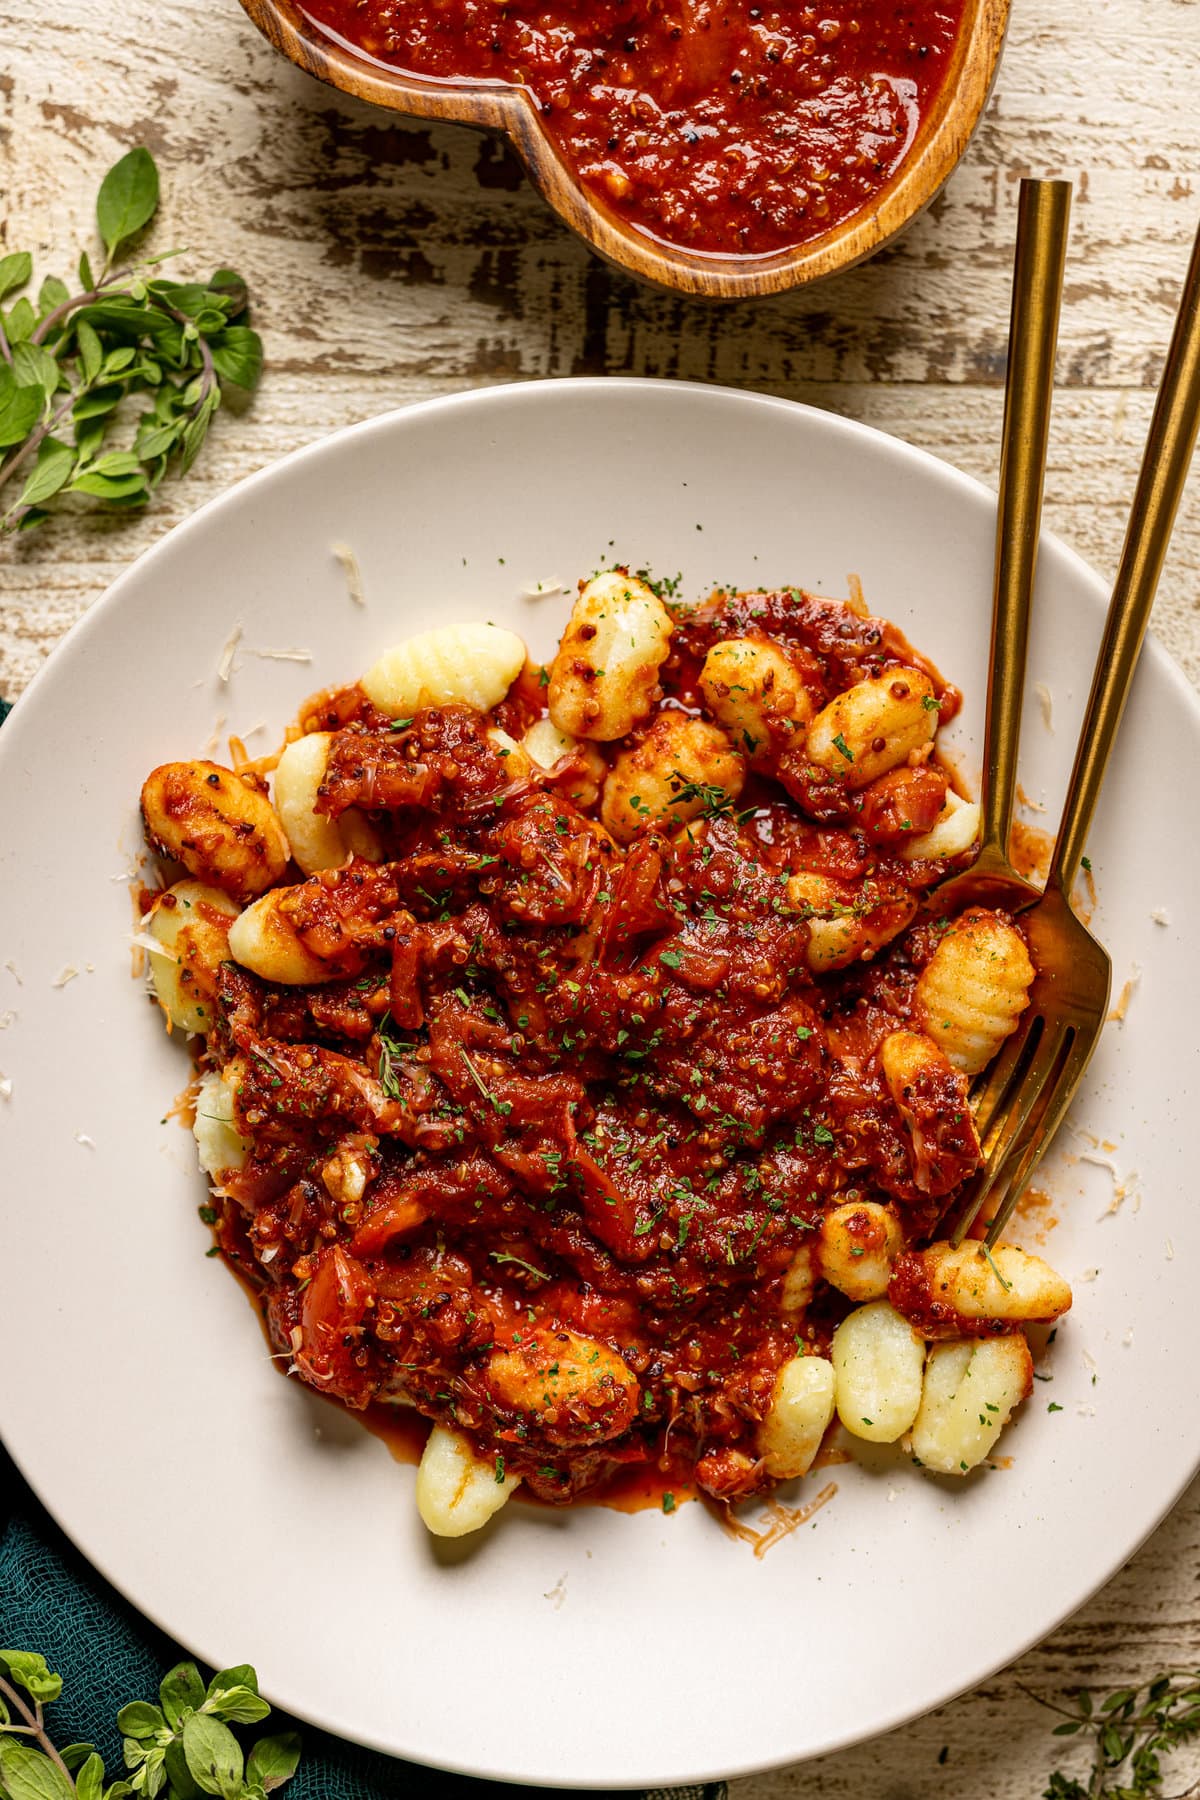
{"x": 1044, "y": 211}
{"x": 1160, "y": 485}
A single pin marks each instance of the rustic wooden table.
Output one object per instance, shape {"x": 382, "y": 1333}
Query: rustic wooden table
{"x": 390, "y": 262}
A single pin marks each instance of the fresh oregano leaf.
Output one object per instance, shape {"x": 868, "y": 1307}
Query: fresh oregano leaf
{"x": 178, "y": 1773}
{"x": 237, "y": 355}
{"x": 51, "y": 294}
{"x": 214, "y": 1756}
{"x": 51, "y": 471}
{"x": 89, "y": 1782}
{"x": 181, "y": 1691}
{"x": 21, "y": 322}
{"x": 35, "y": 367}
{"x": 128, "y": 198}
{"x": 140, "y": 1720}
{"x": 273, "y": 1760}
{"x": 238, "y": 1706}
{"x": 20, "y": 409}
{"x": 15, "y": 270}
{"x": 108, "y": 487}
{"x": 31, "y": 1672}
{"x": 28, "y": 1775}
{"x": 91, "y": 350}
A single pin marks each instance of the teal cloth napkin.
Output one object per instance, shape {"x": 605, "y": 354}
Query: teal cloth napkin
{"x": 54, "y": 1602}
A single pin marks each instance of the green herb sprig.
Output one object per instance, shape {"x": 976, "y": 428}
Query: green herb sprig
{"x": 68, "y": 362}
{"x": 179, "y": 1750}
{"x": 1131, "y": 1731}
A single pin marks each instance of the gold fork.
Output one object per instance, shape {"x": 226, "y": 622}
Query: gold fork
{"x": 1031, "y": 1084}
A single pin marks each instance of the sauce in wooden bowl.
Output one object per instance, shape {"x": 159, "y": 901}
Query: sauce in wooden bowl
{"x": 722, "y": 126}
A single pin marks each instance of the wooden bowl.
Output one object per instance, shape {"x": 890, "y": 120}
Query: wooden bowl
{"x": 939, "y": 144}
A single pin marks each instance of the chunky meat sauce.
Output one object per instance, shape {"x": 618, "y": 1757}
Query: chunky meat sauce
{"x": 562, "y": 1090}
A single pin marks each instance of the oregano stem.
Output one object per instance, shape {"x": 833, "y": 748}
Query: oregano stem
{"x": 36, "y": 1727}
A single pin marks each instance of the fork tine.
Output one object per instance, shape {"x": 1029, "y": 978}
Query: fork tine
{"x": 1000, "y": 1080}
{"x": 1008, "y": 1132}
{"x": 1026, "y": 1157}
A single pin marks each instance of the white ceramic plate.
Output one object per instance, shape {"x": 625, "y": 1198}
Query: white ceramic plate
{"x": 253, "y": 1521}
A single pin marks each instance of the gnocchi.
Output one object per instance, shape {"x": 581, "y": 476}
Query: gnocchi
{"x": 263, "y": 940}
{"x": 571, "y": 1388}
{"x": 952, "y": 833}
{"x": 842, "y": 928}
{"x": 604, "y": 678}
{"x": 681, "y": 768}
{"x": 878, "y": 1364}
{"x": 944, "y": 1286}
{"x": 473, "y": 664}
{"x": 797, "y": 1417}
{"x": 874, "y": 726}
{"x": 859, "y": 1242}
{"x": 970, "y": 1392}
{"x": 219, "y": 825}
{"x": 191, "y": 923}
{"x": 457, "y": 1490}
{"x": 974, "y": 988}
{"x": 220, "y": 1144}
{"x": 755, "y": 692}
{"x": 546, "y": 745}
{"x": 317, "y": 842}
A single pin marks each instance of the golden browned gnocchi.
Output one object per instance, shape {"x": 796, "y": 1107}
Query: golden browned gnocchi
{"x": 605, "y": 676}
{"x": 756, "y": 693}
{"x": 191, "y": 923}
{"x": 219, "y": 825}
{"x": 843, "y": 927}
{"x": 858, "y": 1243}
{"x": 263, "y": 940}
{"x": 945, "y": 1288}
{"x": 874, "y": 726}
{"x": 569, "y": 1387}
{"x": 681, "y": 768}
{"x": 473, "y": 664}
{"x": 970, "y": 1392}
{"x": 974, "y": 988}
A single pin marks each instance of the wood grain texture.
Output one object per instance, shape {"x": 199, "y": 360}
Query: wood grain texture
{"x": 391, "y": 261}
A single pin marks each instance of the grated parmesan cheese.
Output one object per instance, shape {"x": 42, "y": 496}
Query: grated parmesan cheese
{"x": 541, "y": 590}
{"x": 1046, "y": 702}
{"x": 350, "y": 569}
{"x": 7, "y": 1019}
{"x": 11, "y": 966}
{"x": 5, "y": 1088}
{"x": 1117, "y": 1015}
{"x": 214, "y": 736}
{"x": 81, "y": 1137}
{"x": 65, "y": 975}
{"x": 297, "y": 656}
{"x": 227, "y": 663}
{"x": 1161, "y": 916}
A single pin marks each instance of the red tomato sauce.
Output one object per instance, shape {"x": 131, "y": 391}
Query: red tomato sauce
{"x": 722, "y": 126}
{"x": 539, "y": 1158}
